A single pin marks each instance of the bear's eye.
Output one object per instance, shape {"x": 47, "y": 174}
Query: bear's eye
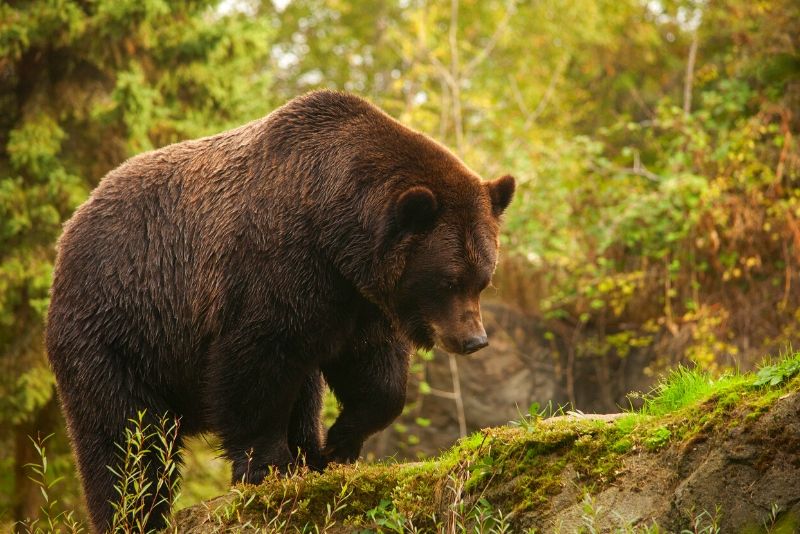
{"x": 448, "y": 284}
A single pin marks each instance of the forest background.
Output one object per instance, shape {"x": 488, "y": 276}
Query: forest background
{"x": 655, "y": 144}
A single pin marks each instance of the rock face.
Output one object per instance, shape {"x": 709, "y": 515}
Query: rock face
{"x": 749, "y": 473}
{"x": 498, "y": 384}
{"x": 735, "y": 469}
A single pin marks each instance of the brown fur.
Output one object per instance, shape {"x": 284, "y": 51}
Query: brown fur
{"x": 218, "y": 280}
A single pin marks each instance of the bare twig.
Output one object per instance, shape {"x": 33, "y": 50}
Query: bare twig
{"x": 639, "y": 170}
{"x": 689, "y": 82}
{"x": 441, "y": 393}
{"x": 455, "y": 75}
{"x": 518, "y": 96}
{"x": 486, "y": 50}
{"x": 462, "y": 420}
{"x": 548, "y": 93}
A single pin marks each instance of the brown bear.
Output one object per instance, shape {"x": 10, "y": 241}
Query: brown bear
{"x": 219, "y": 280}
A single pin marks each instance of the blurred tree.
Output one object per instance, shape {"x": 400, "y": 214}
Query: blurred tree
{"x": 84, "y": 85}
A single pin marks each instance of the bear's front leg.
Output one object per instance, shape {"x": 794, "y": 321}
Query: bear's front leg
{"x": 252, "y": 390}
{"x": 304, "y": 426}
{"x": 370, "y": 384}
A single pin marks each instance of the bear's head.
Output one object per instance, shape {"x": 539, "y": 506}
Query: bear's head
{"x": 455, "y": 226}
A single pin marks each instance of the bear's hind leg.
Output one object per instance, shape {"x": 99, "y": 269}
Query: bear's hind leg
{"x": 109, "y": 462}
{"x": 96, "y": 453}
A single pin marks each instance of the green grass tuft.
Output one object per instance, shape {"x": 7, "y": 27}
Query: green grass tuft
{"x": 681, "y": 387}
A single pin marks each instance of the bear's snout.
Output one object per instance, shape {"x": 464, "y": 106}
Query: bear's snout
{"x": 475, "y": 343}
{"x": 466, "y": 341}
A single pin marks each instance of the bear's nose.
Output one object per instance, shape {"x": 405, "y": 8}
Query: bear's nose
{"x": 475, "y": 343}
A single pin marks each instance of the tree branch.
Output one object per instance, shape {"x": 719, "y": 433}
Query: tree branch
{"x": 484, "y": 53}
{"x": 689, "y": 82}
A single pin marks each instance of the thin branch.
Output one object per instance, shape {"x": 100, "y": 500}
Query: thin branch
{"x": 532, "y": 117}
{"x": 640, "y": 171}
{"x": 442, "y": 393}
{"x": 453, "y": 38}
{"x": 455, "y": 74}
{"x": 462, "y": 419}
{"x": 518, "y": 96}
{"x": 442, "y": 70}
{"x": 637, "y": 97}
{"x": 548, "y": 93}
{"x": 687, "y": 86}
{"x": 484, "y": 53}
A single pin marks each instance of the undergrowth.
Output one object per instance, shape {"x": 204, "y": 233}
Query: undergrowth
{"x": 147, "y": 447}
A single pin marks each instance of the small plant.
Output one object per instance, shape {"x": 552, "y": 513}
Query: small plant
{"x": 51, "y": 519}
{"x": 536, "y": 413}
{"x": 388, "y": 519}
{"x": 771, "y": 521}
{"x": 486, "y": 519}
{"x": 147, "y": 448}
{"x": 590, "y": 516}
{"x": 332, "y": 508}
{"x": 774, "y": 375}
{"x": 703, "y": 523}
{"x": 233, "y": 507}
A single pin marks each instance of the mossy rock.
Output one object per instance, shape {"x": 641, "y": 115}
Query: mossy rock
{"x": 711, "y": 462}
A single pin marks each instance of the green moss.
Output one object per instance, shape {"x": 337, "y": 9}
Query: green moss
{"x": 657, "y": 438}
{"x": 622, "y": 445}
{"x": 518, "y": 469}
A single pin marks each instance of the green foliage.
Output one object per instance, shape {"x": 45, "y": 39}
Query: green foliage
{"x": 387, "y": 518}
{"x": 31, "y": 392}
{"x": 52, "y": 518}
{"x": 778, "y": 373}
{"x": 679, "y": 388}
{"x": 146, "y": 472}
{"x": 658, "y": 438}
{"x": 661, "y": 220}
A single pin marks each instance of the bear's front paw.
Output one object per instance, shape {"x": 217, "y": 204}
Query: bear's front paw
{"x": 250, "y": 469}
{"x": 251, "y": 474}
{"x": 313, "y": 459}
{"x": 342, "y": 455}
{"x": 341, "y": 449}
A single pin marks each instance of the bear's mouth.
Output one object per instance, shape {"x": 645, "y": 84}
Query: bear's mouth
{"x": 423, "y": 336}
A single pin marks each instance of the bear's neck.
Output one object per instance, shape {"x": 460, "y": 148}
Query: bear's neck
{"x": 338, "y": 204}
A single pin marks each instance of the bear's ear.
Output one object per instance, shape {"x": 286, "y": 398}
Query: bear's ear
{"x": 501, "y": 191}
{"x": 416, "y": 208}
